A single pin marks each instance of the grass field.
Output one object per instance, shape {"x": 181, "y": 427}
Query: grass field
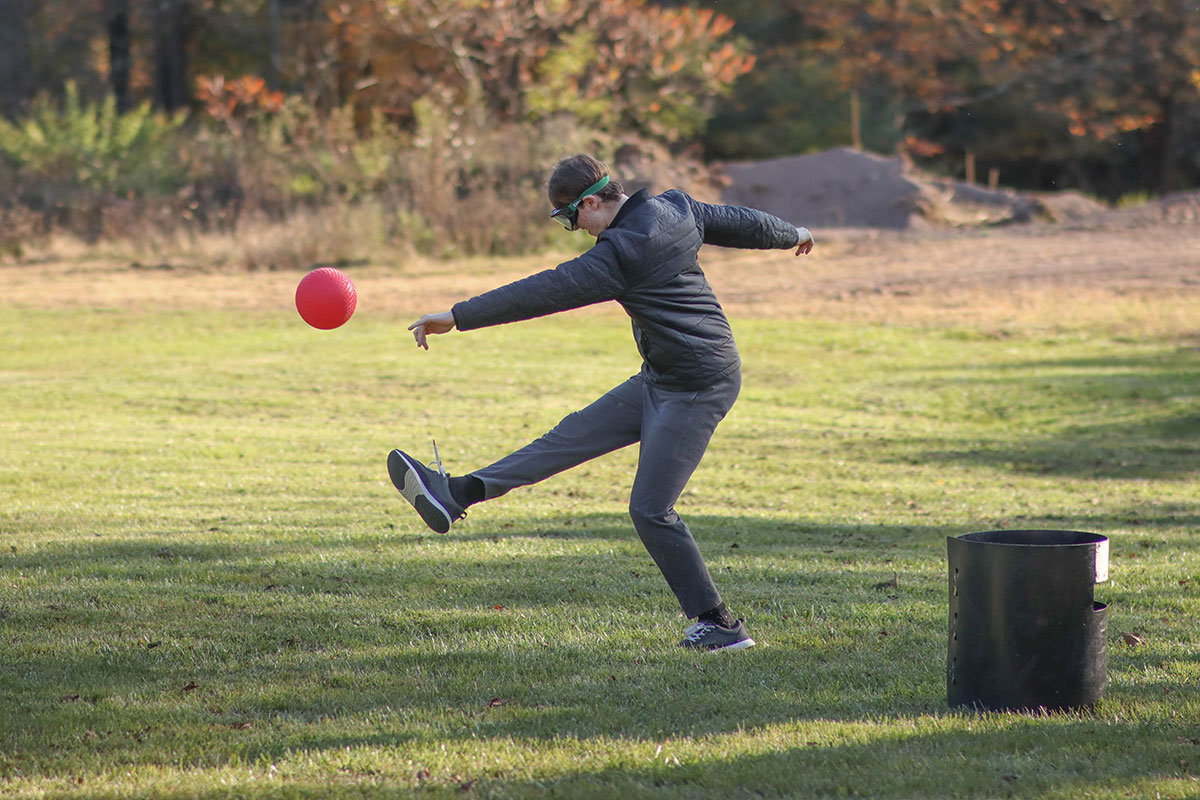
{"x": 209, "y": 588}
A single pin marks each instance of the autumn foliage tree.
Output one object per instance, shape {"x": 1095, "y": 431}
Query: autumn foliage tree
{"x": 336, "y": 100}
{"x": 613, "y": 63}
{"x": 1101, "y": 68}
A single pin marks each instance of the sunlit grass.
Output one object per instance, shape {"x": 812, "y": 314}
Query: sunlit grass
{"x": 209, "y": 588}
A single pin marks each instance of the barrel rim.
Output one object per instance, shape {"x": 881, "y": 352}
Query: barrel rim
{"x": 1021, "y": 538}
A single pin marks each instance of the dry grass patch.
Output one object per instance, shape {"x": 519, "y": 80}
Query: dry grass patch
{"x": 1028, "y": 277}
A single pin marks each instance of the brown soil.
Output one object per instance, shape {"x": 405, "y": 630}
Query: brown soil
{"x": 1145, "y": 278}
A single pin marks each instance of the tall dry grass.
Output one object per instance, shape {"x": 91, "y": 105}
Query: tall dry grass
{"x": 293, "y": 188}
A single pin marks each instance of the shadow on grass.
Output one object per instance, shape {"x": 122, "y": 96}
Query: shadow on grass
{"x": 122, "y": 651}
{"x": 1026, "y": 757}
{"x": 1136, "y": 415}
{"x": 1158, "y": 449}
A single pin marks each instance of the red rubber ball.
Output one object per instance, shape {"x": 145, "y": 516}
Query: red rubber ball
{"x": 326, "y": 298}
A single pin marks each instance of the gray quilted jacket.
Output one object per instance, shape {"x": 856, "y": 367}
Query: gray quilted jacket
{"x": 646, "y": 261}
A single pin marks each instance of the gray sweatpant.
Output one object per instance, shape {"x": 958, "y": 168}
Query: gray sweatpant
{"x": 674, "y": 429}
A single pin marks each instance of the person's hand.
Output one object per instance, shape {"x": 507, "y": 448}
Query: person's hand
{"x": 431, "y": 323}
{"x": 806, "y": 242}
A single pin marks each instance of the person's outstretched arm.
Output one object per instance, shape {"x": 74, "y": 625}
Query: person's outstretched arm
{"x": 593, "y": 277}
{"x": 748, "y": 228}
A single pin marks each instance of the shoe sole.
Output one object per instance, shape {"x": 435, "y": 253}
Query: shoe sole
{"x": 742, "y": 645}
{"x": 408, "y": 481}
{"x": 739, "y": 645}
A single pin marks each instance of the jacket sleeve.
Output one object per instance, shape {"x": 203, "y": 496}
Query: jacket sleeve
{"x": 748, "y": 228}
{"x": 591, "y": 278}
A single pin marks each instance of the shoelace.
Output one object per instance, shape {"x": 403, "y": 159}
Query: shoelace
{"x": 438, "y": 460}
{"x": 696, "y": 632}
{"x": 437, "y": 464}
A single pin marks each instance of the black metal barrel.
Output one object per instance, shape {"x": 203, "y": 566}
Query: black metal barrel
{"x": 1025, "y": 629}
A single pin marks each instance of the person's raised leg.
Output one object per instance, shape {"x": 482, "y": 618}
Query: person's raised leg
{"x": 611, "y": 422}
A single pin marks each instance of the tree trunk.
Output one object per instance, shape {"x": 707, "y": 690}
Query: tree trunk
{"x": 170, "y": 54}
{"x": 120, "y": 61}
{"x": 856, "y": 119}
{"x": 14, "y": 56}
{"x": 1166, "y": 143}
{"x": 274, "y": 43}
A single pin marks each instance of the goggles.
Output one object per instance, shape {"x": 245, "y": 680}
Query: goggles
{"x": 568, "y": 215}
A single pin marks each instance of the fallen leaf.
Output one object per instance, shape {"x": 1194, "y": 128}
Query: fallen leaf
{"x": 190, "y": 686}
{"x": 496, "y": 702}
{"x": 1132, "y": 639}
{"x": 498, "y": 607}
{"x": 69, "y": 698}
{"x": 241, "y": 726}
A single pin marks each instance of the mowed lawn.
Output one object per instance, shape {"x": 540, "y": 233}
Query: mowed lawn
{"x": 209, "y": 587}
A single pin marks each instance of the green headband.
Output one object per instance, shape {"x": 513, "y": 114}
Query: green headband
{"x": 593, "y": 189}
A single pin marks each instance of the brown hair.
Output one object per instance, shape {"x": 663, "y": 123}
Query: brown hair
{"x": 574, "y": 174}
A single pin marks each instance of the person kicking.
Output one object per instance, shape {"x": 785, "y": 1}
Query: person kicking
{"x": 645, "y": 258}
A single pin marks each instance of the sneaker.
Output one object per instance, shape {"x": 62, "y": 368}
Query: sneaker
{"x": 427, "y": 490}
{"x": 710, "y": 636}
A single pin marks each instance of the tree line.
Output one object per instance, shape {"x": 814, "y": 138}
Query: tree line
{"x": 614, "y": 63}
{"x": 1099, "y": 95}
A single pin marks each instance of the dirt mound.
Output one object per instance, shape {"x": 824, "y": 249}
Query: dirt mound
{"x": 846, "y": 188}
{"x": 1067, "y": 207}
{"x": 1181, "y": 208}
{"x": 836, "y": 188}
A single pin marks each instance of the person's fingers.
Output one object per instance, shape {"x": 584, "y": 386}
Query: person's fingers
{"x": 805, "y": 245}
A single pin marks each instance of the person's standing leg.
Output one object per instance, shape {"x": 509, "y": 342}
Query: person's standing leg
{"x": 676, "y": 429}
